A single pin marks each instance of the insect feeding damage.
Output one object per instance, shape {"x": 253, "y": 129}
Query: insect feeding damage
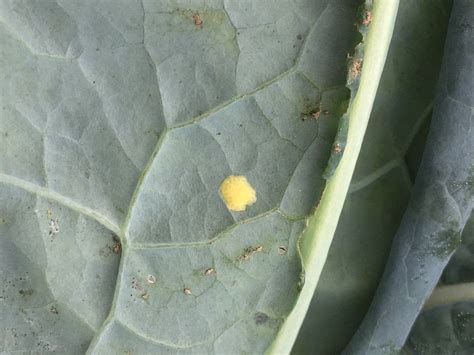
{"x": 315, "y": 113}
{"x": 151, "y": 279}
{"x": 117, "y": 246}
{"x": 197, "y": 20}
{"x": 144, "y": 295}
{"x": 367, "y": 18}
{"x": 355, "y": 68}
{"x": 209, "y": 271}
{"x": 249, "y": 252}
{"x": 53, "y": 224}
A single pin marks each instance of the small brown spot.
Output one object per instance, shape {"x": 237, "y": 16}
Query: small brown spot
{"x": 315, "y": 114}
{"x": 136, "y": 285}
{"x": 197, "y": 20}
{"x": 367, "y": 18}
{"x": 260, "y": 318}
{"x": 356, "y": 68}
{"x": 28, "y": 292}
{"x": 187, "y": 291}
{"x": 151, "y": 279}
{"x": 117, "y": 246}
{"x": 145, "y": 296}
{"x": 282, "y": 250}
{"x": 53, "y": 224}
{"x": 209, "y": 271}
{"x": 248, "y": 252}
{"x": 337, "y": 148}
{"x": 53, "y": 227}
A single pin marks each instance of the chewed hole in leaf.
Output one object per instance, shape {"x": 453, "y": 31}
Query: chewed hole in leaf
{"x": 237, "y": 193}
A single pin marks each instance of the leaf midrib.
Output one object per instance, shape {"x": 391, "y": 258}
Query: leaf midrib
{"x": 10, "y": 180}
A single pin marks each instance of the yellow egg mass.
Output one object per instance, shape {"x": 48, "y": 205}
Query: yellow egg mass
{"x": 237, "y": 193}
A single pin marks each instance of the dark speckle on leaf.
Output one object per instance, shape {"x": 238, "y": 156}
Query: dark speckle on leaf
{"x": 260, "y": 318}
{"x": 28, "y": 292}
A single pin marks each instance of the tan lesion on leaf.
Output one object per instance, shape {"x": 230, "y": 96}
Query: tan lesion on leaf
{"x": 249, "y": 252}
{"x": 197, "y": 20}
{"x": 282, "y": 250}
{"x": 367, "y": 18}
{"x": 53, "y": 224}
{"x": 355, "y": 67}
{"x": 209, "y": 271}
{"x": 117, "y": 245}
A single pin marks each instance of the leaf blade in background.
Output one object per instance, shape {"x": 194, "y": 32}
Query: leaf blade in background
{"x": 444, "y": 323}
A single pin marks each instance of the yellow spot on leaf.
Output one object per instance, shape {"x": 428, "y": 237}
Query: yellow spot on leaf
{"x": 237, "y": 193}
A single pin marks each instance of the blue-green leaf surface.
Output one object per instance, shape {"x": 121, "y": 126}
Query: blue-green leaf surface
{"x": 124, "y": 117}
{"x": 446, "y": 324}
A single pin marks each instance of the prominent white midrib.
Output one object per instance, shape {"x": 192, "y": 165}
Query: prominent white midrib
{"x": 316, "y": 240}
{"x": 450, "y": 294}
{"x": 63, "y": 200}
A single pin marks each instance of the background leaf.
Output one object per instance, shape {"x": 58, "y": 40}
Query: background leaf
{"x": 445, "y": 324}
